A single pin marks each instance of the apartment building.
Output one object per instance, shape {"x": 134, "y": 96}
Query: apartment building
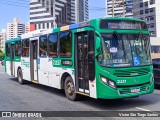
{"x": 119, "y": 8}
{"x": 148, "y": 10}
{"x": 15, "y": 29}
{"x": 2, "y": 39}
{"x": 55, "y": 13}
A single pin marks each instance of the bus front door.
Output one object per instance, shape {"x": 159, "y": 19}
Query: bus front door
{"x": 12, "y": 68}
{"x": 34, "y": 60}
{"x": 84, "y": 61}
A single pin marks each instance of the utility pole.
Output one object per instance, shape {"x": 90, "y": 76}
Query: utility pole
{"x": 112, "y": 8}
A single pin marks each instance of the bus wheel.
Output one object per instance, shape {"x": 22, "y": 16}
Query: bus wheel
{"x": 20, "y": 77}
{"x": 70, "y": 89}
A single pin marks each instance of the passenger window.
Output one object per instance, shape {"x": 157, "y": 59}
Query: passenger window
{"x": 53, "y": 42}
{"x": 18, "y": 49}
{"x": 65, "y": 44}
{"x": 7, "y": 49}
{"x": 25, "y": 48}
{"x": 43, "y": 46}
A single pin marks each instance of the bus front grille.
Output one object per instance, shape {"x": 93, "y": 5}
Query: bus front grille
{"x": 127, "y": 90}
{"x": 131, "y": 72}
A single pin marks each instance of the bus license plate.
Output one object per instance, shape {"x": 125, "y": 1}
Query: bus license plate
{"x": 135, "y": 90}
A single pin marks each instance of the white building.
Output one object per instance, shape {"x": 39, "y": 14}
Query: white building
{"x": 15, "y": 29}
{"x": 27, "y": 27}
{"x": 52, "y": 13}
{"x": 148, "y": 10}
{"x": 155, "y": 47}
{"x": 2, "y": 39}
{"x": 119, "y": 8}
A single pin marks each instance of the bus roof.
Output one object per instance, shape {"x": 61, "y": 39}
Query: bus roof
{"x": 13, "y": 40}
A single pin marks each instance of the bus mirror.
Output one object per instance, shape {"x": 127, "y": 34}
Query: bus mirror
{"x": 98, "y": 45}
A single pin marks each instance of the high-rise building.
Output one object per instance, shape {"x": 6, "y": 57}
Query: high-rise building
{"x": 2, "y": 39}
{"x": 27, "y": 27}
{"x": 15, "y": 29}
{"x": 149, "y": 11}
{"x": 55, "y": 13}
{"x": 119, "y": 8}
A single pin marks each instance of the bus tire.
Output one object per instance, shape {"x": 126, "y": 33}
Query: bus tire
{"x": 70, "y": 89}
{"x": 20, "y": 77}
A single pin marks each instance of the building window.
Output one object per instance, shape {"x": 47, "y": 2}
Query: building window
{"x": 25, "y": 48}
{"x": 43, "y": 46}
{"x": 152, "y": 2}
{"x": 18, "y": 49}
{"x": 52, "y": 43}
{"x": 141, "y": 12}
{"x": 147, "y": 18}
{"x": 146, "y": 11}
{"x": 146, "y": 4}
{"x": 141, "y": 5}
{"x": 151, "y": 25}
{"x": 65, "y": 44}
{"x": 151, "y": 10}
{"x": 152, "y": 18}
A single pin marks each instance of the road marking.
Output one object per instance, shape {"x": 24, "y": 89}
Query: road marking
{"x": 142, "y": 109}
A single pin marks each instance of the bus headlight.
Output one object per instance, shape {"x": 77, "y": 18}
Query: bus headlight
{"x": 108, "y": 82}
{"x": 151, "y": 79}
{"x": 112, "y": 84}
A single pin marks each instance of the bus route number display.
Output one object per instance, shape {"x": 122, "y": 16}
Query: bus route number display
{"x": 123, "y": 25}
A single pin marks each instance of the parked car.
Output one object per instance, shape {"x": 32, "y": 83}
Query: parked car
{"x": 156, "y": 70}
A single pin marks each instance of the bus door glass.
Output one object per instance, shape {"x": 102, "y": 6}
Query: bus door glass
{"x": 12, "y": 49}
{"x": 84, "y": 60}
{"x": 34, "y": 61}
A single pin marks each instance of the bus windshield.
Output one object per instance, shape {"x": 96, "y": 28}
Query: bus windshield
{"x": 120, "y": 50}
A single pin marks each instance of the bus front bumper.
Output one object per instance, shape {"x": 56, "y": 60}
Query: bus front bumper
{"x": 106, "y": 92}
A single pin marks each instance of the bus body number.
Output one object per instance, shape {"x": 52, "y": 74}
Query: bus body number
{"x": 56, "y": 62}
{"x": 121, "y": 81}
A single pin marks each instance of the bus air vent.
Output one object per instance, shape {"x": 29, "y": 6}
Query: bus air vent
{"x": 131, "y": 72}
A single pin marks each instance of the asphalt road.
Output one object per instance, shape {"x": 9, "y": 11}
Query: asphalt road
{"x": 33, "y": 97}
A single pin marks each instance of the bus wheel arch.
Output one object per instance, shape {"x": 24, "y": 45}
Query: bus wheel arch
{"x": 63, "y": 78}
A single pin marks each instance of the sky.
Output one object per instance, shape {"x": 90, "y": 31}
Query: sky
{"x": 20, "y": 9}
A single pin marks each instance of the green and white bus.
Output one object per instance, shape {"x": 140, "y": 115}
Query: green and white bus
{"x": 107, "y": 58}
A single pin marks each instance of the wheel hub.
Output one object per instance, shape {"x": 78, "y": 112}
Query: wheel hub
{"x": 70, "y": 88}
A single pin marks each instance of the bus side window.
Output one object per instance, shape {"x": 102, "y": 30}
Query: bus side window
{"x": 52, "y": 45}
{"x": 65, "y": 44}
{"x": 18, "y": 49}
{"x": 43, "y": 46}
{"x": 7, "y": 49}
{"x": 25, "y": 48}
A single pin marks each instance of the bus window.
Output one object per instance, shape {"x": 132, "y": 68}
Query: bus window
{"x": 7, "y": 49}
{"x": 25, "y": 48}
{"x": 65, "y": 44}
{"x": 43, "y": 46}
{"x": 18, "y": 49}
{"x": 52, "y": 45}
